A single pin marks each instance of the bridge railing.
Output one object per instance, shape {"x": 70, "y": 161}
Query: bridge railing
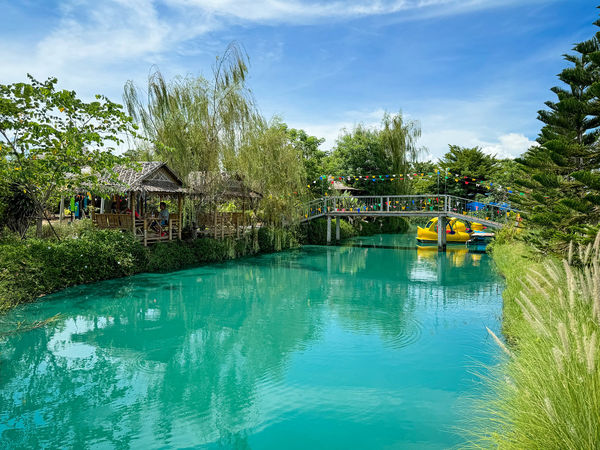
{"x": 390, "y": 204}
{"x": 492, "y": 211}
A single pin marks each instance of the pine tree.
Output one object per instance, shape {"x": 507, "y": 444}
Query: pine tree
{"x": 560, "y": 173}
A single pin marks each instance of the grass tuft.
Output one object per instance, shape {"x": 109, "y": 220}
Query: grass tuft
{"x": 547, "y": 393}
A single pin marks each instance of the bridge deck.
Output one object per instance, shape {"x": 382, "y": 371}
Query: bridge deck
{"x": 491, "y": 214}
{"x": 488, "y": 223}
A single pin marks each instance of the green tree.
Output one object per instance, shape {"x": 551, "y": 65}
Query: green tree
{"x": 463, "y": 168}
{"x": 50, "y": 140}
{"x": 560, "y": 173}
{"x": 197, "y": 124}
{"x": 272, "y": 165}
{"x": 399, "y": 141}
{"x": 360, "y": 152}
{"x": 430, "y": 182}
{"x": 313, "y": 158}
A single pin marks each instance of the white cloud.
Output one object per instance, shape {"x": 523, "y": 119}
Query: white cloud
{"x": 509, "y": 145}
{"x": 460, "y": 125}
{"x": 303, "y": 11}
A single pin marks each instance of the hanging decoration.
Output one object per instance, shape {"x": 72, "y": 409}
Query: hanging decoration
{"x": 457, "y": 178}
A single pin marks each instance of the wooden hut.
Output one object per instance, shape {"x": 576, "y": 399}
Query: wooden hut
{"x": 216, "y": 188}
{"x": 155, "y": 179}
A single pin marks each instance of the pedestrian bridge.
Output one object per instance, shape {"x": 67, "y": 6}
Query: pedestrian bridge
{"x": 490, "y": 214}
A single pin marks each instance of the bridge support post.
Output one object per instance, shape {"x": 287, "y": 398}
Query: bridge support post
{"x": 328, "y": 230}
{"x": 441, "y": 233}
{"x": 337, "y": 229}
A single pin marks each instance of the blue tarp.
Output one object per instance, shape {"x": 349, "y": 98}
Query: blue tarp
{"x": 476, "y": 206}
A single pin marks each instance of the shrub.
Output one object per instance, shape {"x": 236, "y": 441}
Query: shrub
{"x": 67, "y": 229}
{"x": 170, "y": 256}
{"x": 276, "y": 239}
{"x": 36, "y": 267}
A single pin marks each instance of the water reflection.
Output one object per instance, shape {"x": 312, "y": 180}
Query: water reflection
{"x": 210, "y": 355}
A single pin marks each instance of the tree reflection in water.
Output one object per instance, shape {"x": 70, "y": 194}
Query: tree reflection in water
{"x": 200, "y": 356}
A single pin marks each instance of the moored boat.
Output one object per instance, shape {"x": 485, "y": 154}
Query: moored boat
{"x": 456, "y": 232}
{"x": 479, "y": 241}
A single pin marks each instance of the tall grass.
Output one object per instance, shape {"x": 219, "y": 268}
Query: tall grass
{"x": 547, "y": 394}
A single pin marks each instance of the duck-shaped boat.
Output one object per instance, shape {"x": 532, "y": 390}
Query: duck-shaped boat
{"x": 456, "y": 231}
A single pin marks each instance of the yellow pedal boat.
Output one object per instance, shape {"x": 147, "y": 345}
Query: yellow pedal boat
{"x": 456, "y": 231}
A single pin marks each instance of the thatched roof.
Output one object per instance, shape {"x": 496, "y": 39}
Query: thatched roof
{"x": 219, "y": 185}
{"x": 339, "y": 186}
{"x": 154, "y": 177}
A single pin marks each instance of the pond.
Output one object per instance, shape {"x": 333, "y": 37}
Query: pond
{"x": 373, "y": 344}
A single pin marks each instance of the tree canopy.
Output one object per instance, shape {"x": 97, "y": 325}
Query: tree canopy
{"x": 561, "y": 173}
{"x": 50, "y": 140}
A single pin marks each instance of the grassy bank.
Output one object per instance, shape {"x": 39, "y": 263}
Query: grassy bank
{"x": 547, "y": 393}
{"x": 36, "y": 267}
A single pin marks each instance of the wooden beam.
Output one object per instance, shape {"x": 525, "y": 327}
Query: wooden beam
{"x": 93, "y": 213}
{"x": 132, "y": 202}
{"x": 215, "y": 222}
{"x": 179, "y": 204}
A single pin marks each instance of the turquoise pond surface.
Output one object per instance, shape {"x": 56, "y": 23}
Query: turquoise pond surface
{"x": 373, "y": 344}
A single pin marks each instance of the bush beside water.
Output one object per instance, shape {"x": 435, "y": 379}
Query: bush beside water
{"x": 547, "y": 393}
{"x": 35, "y": 267}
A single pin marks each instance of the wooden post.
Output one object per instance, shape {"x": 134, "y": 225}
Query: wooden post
{"x": 102, "y": 205}
{"x": 387, "y": 200}
{"x": 170, "y": 229}
{"x": 215, "y": 223}
{"x": 93, "y": 209}
{"x": 237, "y": 225}
{"x": 179, "y": 204}
{"x": 337, "y": 228}
{"x": 61, "y": 214}
{"x": 244, "y": 216}
{"x": 145, "y": 232}
{"x": 132, "y": 200}
{"x": 328, "y": 230}
{"x": 222, "y": 225}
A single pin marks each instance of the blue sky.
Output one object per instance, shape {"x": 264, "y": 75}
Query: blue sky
{"x": 472, "y": 72}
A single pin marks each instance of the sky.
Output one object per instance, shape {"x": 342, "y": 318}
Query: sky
{"x": 471, "y": 72}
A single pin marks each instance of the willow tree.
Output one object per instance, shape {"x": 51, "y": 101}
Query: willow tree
{"x": 272, "y": 165}
{"x": 399, "y": 142}
{"x": 195, "y": 123}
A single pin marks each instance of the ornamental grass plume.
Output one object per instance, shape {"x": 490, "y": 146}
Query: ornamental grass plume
{"x": 547, "y": 393}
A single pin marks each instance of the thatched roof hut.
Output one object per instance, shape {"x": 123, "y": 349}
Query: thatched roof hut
{"x": 155, "y": 177}
{"x": 220, "y": 186}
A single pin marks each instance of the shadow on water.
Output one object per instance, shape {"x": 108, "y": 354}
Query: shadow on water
{"x": 209, "y": 355}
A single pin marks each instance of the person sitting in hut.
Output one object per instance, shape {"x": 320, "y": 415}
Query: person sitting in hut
{"x": 163, "y": 215}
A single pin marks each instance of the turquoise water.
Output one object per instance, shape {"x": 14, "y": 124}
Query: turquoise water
{"x": 370, "y": 345}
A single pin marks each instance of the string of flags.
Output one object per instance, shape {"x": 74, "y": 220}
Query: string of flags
{"x": 331, "y": 179}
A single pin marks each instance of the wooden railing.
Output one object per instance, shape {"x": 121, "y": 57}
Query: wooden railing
{"x": 148, "y": 230}
{"x": 222, "y": 224}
